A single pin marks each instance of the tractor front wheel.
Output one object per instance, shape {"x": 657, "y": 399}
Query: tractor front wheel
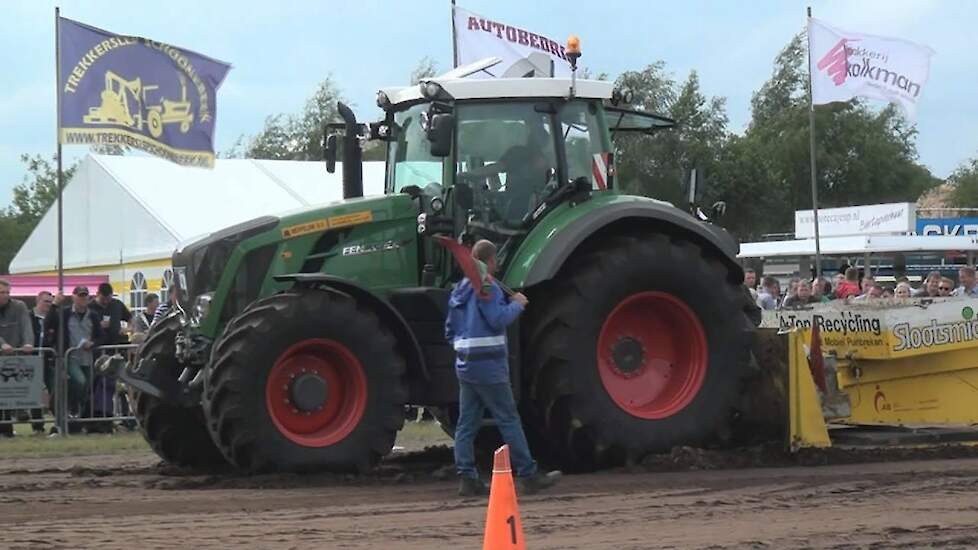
{"x": 303, "y": 381}
{"x": 176, "y": 433}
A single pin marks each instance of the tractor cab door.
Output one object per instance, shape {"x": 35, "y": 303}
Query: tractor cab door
{"x": 512, "y": 157}
{"x": 506, "y": 157}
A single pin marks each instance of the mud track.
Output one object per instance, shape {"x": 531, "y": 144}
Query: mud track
{"x": 133, "y": 502}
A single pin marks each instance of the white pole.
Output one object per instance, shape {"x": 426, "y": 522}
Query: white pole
{"x": 811, "y": 145}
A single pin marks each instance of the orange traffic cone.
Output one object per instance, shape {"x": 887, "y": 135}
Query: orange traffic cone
{"x": 503, "y": 528}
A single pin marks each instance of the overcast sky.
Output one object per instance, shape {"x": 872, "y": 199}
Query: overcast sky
{"x": 281, "y": 50}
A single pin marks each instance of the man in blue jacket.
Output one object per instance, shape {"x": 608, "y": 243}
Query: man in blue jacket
{"x": 476, "y": 326}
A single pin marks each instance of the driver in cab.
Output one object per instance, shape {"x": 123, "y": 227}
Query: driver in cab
{"x": 528, "y": 170}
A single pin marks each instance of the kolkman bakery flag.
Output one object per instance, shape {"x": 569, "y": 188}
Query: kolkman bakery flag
{"x": 847, "y": 64}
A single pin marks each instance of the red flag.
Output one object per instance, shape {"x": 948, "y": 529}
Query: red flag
{"x": 463, "y": 255}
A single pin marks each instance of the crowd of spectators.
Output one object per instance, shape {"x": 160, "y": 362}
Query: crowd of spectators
{"x": 87, "y": 323}
{"x": 847, "y": 286}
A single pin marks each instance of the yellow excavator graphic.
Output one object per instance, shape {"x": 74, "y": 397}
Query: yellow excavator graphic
{"x": 124, "y": 102}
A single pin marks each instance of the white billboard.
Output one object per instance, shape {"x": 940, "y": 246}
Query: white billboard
{"x": 21, "y": 381}
{"x": 873, "y": 219}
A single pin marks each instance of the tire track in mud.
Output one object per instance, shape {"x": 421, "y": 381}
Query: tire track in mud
{"x": 125, "y": 504}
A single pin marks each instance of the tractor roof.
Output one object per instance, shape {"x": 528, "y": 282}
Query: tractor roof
{"x": 503, "y": 88}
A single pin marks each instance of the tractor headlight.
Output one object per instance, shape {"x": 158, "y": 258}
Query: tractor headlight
{"x": 383, "y": 101}
{"x": 430, "y": 90}
{"x": 202, "y": 305}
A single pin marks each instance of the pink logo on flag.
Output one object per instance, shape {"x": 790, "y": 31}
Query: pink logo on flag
{"x": 836, "y": 63}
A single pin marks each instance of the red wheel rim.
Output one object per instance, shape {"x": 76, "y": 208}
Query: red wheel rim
{"x": 652, "y": 355}
{"x": 345, "y": 394}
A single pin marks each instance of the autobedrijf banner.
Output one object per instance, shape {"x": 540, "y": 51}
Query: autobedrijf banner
{"x": 136, "y": 92}
{"x": 523, "y": 53}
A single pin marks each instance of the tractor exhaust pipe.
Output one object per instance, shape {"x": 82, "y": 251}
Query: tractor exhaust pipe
{"x": 352, "y": 154}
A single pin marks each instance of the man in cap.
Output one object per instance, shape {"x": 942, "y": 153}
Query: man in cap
{"x": 82, "y": 328}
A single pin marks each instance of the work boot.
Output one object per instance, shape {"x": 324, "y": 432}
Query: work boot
{"x": 537, "y": 482}
{"x": 472, "y": 487}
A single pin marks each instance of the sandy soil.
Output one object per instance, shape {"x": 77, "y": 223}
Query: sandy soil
{"x": 132, "y": 502}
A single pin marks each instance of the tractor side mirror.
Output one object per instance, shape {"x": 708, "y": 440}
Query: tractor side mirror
{"x": 440, "y": 134}
{"x": 718, "y": 210}
{"x": 329, "y": 153}
{"x": 464, "y": 198}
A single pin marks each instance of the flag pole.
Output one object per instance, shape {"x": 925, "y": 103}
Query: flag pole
{"x": 61, "y": 414}
{"x": 454, "y": 39}
{"x": 811, "y": 146}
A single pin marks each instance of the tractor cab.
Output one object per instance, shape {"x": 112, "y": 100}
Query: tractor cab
{"x": 488, "y": 158}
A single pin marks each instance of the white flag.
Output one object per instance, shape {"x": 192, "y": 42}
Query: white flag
{"x": 846, "y": 64}
{"x": 523, "y": 53}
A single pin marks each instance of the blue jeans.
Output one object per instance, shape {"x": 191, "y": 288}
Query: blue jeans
{"x": 473, "y": 400}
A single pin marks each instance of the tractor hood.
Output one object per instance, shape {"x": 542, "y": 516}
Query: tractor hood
{"x": 200, "y": 265}
{"x": 345, "y": 213}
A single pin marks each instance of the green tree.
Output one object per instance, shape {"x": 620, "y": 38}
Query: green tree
{"x": 298, "y": 136}
{"x": 964, "y": 184}
{"x": 863, "y": 156}
{"x": 658, "y": 165}
{"x": 32, "y": 198}
{"x": 426, "y": 68}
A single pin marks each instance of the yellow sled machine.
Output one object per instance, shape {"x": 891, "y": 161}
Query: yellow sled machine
{"x": 876, "y": 374}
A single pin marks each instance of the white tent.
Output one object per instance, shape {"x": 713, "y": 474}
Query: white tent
{"x": 122, "y": 210}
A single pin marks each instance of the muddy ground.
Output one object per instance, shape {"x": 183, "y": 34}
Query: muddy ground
{"x": 682, "y": 500}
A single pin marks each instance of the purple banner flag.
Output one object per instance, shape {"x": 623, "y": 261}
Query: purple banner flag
{"x": 136, "y": 92}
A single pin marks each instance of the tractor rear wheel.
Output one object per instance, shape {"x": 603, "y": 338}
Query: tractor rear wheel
{"x": 177, "y": 434}
{"x": 305, "y": 380}
{"x": 639, "y": 346}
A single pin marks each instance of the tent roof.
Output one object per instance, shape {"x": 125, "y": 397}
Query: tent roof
{"x": 860, "y": 244}
{"x": 121, "y": 209}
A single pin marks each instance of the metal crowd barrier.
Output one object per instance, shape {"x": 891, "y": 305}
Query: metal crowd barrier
{"x": 103, "y": 403}
{"x": 10, "y": 416}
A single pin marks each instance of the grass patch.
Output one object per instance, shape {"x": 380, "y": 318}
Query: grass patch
{"x": 26, "y": 445}
{"x": 414, "y": 437}
{"x": 417, "y": 435}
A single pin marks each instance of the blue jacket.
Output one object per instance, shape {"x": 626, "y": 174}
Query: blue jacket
{"x": 476, "y": 327}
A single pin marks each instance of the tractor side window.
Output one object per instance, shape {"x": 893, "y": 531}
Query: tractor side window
{"x": 410, "y": 156}
{"x": 506, "y": 155}
{"x": 586, "y": 155}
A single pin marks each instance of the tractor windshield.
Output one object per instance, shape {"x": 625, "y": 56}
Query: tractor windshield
{"x": 409, "y": 157}
{"x": 505, "y": 153}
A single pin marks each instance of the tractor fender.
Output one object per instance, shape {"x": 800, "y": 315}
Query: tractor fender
{"x": 535, "y": 263}
{"x": 387, "y": 313}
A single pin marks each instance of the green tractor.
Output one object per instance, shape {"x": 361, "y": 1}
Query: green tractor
{"x": 300, "y": 340}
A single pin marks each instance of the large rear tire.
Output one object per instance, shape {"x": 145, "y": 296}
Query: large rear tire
{"x": 640, "y": 345}
{"x": 177, "y": 434}
{"x": 303, "y": 381}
